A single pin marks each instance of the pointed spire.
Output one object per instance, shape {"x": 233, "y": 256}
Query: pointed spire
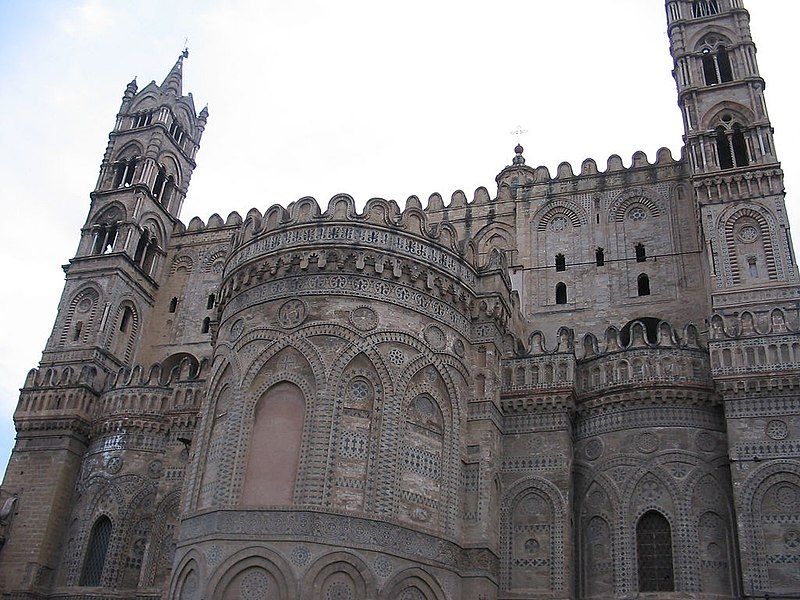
{"x": 174, "y": 79}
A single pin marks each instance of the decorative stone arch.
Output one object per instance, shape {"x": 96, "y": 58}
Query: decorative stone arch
{"x": 696, "y": 39}
{"x": 589, "y": 537}
{"x": 214, "y": 261}
{"x": 83, "y": 308}
{"x": 632, "y": 513}
{"x": 151, "y": 221}
{"x": 281, "y": 341}
{"x": 423, "y": 582}
{"x": 133, "y": 149}
{"x": 704, "y": 41}
{"x": 512, "y": 496}
{"x": 571, "y": 211}
{"x": 713, "y": 116}
{"x": 767, "y": 227}
{"x": 187, "y": 578}
{"x": 751, "y": 544}
{"x": 495, "y": 235}
{"x": 172, "y": 166}
{"x": 182, "y": 262}
{"x": 622, "y": 203}
{"x": 353, "y": 571}
{"x": 147, "y": 100}
{"x": 124, "y": 334}
{"x": 253, "y": 557}
{"x": 157, "y": 564}
{"x": 352, "y": 411}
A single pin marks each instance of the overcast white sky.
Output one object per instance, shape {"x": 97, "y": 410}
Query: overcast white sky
{"x": 310, "y": 97}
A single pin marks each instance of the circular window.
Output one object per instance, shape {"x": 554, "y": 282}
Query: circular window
{"x": 637, "y": 213}
{"x": 558, "y": 224}
{"x": 748, "y": 234}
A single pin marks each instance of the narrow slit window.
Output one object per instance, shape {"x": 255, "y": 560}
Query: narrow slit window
{"x": 96, "y": 551}
{"x": 206, "y": 325}
{"x": 600, "y": 257}
{"x": 724, "y": 65}
{"x": 125, "y": 321}
{"x": 643, "y": 283}
{"x": 173, "y": 305}
{"x": 561, "y": 293}
{"x": 561, "y": 262}
{"x": 210, "y": 301}
{"x": 641, "y": 253}
{"x": 76, "y": 334}
{"x": 710, "y": 67}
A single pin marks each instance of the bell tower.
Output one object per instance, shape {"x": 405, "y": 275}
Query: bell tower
{"x": 736, "y": 175}
{"x": 753, "y": 280}
{"x": 110, "y": 289}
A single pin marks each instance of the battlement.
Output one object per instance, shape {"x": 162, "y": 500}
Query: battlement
{"x": 774, "y": 322}
{"x": 538, "y": 178}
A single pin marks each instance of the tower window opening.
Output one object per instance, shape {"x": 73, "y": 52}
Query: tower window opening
{"x": 146, "y": 249}
{"x": 752, "y": 265}
{"x": 125, "y": 321}
{"x": 105, "y": 236}
{"x": 641, "y": 253}
{"x": 705, "y": 8}
{"x": 210, "y": 301}
{"x": 724, "y": 65}
{"x": 206, "y": 325}
{"x": 654, "y": 553}
{"x": 710, "y": 67}
{"x": 739, "y": 147}
{"x": 161, "y": 182}
{"x": 130, "y": 169}
{"x": 173, "y": 305}
{"x": 643, "y": 284}
{"x": 600, "y": 257}
{"x": 561, "y": 293}
{"x": 561, "y": 262}
{"x": 142, "y": 119}
{"x": 76, "y": 335}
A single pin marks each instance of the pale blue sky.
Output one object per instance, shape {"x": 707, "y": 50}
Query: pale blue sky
{"x": 309, "y": 97}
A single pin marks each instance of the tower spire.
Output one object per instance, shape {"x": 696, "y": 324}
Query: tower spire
{"x": 174, "y": 79}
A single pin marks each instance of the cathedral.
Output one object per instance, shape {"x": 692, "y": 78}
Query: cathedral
{"x": 580, "y": 384}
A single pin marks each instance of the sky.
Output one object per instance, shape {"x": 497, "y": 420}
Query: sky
{"x": 310, "y": 97}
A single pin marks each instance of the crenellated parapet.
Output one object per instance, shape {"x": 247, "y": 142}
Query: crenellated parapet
{"x": 379, "y": 253}
{"x": 524, "y": 181}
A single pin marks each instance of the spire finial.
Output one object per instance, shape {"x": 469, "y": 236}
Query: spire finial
{"x": 174, "y": 79}
{"x": 518, "y": 133}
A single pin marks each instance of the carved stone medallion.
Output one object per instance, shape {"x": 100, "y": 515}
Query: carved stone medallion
{"x": 647, "y": 442}
{"x": 435, "y": 337}
{"x": 363, "y": 318}
{"x": 292, "y": 313}
{"x": 593, "y": 449}
{"x": 777, "y": 429}
{"x": 114, "y": 464}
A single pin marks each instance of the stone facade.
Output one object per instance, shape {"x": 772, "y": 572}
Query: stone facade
{"x": 578, "y": 386}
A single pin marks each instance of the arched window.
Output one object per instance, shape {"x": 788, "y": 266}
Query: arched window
{"x": 600, "y": 257}
{"x": 105, "y": 233}
{"x": 643, "y": 282}
{"x": 561, "y": 262}
{"x": 654, "y": 553}
{"x": 124, "y": 172}
{"x": 146, "y": 250}
{"x": 561, "y": 293}
{"x": 96, "y": 552}
{"x": 641, "y": 253}
{"x": 210, "y": 301}
{"x": 206, "y": 325}
{"x": 173, "y": 305}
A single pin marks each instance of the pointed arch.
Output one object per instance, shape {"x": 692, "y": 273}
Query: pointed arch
{"x": 339, "y": 575}
{"x": 413, "y": 584}
{"x": 654, "y": 553}
{"x": 96, "y": 553}
{"x": 80, "y": 317}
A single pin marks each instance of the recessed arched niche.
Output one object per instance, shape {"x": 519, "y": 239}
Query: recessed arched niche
{"x": 274, "y": 450}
